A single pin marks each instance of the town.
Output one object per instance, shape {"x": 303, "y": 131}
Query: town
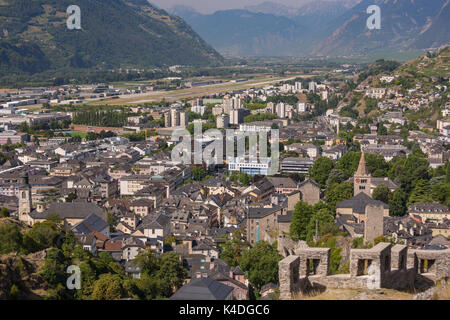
{"x": 362, "y": 179}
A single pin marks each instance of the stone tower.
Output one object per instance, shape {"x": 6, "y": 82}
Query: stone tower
{"x": 24, "y": 198}
{"x": 374, "y": 222}
{"x": 362, "y": 178}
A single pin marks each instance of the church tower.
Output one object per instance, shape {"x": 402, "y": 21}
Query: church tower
{"x": 362, "y": 178}
{"x": 24, "y": 198}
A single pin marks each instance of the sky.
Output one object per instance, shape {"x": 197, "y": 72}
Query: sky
{"x": 209, "y": 6}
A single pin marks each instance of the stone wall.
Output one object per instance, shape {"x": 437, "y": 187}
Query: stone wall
{"x": 382, "y": 266}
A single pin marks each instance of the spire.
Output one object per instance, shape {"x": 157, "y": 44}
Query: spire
{"x": 362, "y": 168}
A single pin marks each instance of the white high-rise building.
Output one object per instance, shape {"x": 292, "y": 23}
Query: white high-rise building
{"x": 184, "y": 119}
{"x": 281, "y": 110}
{"x": 236, "y": 102}
{"x": 223, "y": 121}
{"x": 301, "y": 107}
{"x": 175, "y": 117}
{"x": 312, "y": 86}
{"x": 298, "y": 86}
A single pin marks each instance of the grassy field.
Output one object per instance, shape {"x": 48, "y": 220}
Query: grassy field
{"x": 79, "y": 134}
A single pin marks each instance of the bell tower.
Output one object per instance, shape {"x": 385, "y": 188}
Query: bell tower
{"x": 24, "y": 198}
{"x": 362, "y": 178}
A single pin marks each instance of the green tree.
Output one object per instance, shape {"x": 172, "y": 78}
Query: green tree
{"x": 109, "y": 287}
{"x": 441, "y": 192}
{"x": 321, "y": 169}
{"x": 324, "y": 217}
{"x": 72, "y": 196}
{"x": 43, "y": 235}
{"x": 397, "y": 206}
{"x": 198, "y": 173}
{"x": 147, "y": 261}
{"x": 348, "y": 163}
{"x": 10, "y": 238}
{"x": 337, "y": 193}
{"x": 420, "y": 193}
{"x": 336, "y": 176}
{"x": 244, "y": 179}
{"x": 233, "y": 249}
{"x": 261, "y": 264}
{"x": 300, "y": 220}
{"x": 171, "y": 270}
{"x": 4, "y": 212}
{"x": 382, "y": 193}
{"x": 54, "y": 269}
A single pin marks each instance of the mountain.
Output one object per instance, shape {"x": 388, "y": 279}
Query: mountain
{"x": 115, "y": 33}
{"x": 266, "y": 29}
{"x": 403, "y": 22}
{"x": 324, "y": 27}
{"x": 241, "y": 32}
{"x": 436, "y": 32}
{"x": 321, "y": 12}
{"x": 276, "y": 9}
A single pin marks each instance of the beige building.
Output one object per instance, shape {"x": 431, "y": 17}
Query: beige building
{"x": 310, "y": 191}
{"x": 262, "y": 223}
{"x": 429, "y": 212}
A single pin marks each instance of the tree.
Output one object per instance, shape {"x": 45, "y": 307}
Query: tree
{"x": 147, "y": 261}
{"x": 108, "y": 287}
{"x": 261, "y": 264}
{"x": 10, "y": 238}
{"x": 336, "y": 176}
{"x": 171, "y": 270}
{"x": 397, "y": 206}
{"x": 198, "y": 173}
{"x": 323, "y": 218}
{"x": 420, "y": 193}
{"x": 233, "y": 249}
{"x": 244, "y": 179}
{"x": 408, "y": 171}
{"x": 321, "y": 169}
{"x": 4, "y": 212}
{"x": 441, "y": 192}
{"x": 54, "y": 269}
{"x": 43, "y": 235}
{"x": 382, "y": 131}
{"x": 72, "y": 196}
{"x": 348, "y": 163}
{"x": 337, "y": 193}
{"x": 382, "y": 193}
{"x": 376, "y": 165}
{"x": 300, "y": 220}
{"x": 447, "y": 173}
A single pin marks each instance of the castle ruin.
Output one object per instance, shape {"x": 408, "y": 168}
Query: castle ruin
{"x": 382, "y": 266}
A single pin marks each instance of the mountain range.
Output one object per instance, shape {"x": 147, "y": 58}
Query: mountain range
{"x": 324, "y": 28}
{"x": 114, "y": 33}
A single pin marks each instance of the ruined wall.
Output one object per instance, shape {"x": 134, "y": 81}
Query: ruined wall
{"x": 382, "y": 266}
